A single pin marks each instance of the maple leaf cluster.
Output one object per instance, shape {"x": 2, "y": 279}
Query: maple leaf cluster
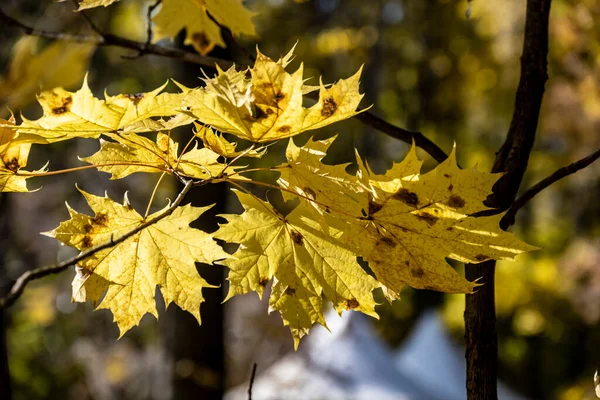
{"x": 403, "y": 223}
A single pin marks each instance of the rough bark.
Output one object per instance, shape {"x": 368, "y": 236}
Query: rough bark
{"x": 480, "y": 314}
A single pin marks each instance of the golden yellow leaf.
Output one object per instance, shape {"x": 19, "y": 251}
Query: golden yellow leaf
{"x": 201, "y": 31}
{"x": 305, "y": 261}
{"x": 326, "y": 185}
{"x": 13, "y": 156}
{"x": 221, "y": 146}
{"x": 85, "y": 4}
{"x": 69, "y": 115}
{"x": 88, "y": 286}
{"x": 163, "y": 254}
{"x": 268, "y": 105}
{"x": 61, "y": 63}
{"x": 403, "y": 223}
{"x": 130, "y": 153}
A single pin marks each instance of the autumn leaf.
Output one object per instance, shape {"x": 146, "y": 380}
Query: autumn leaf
{"x": 305, "y": 261}
{"x": 221, "y": 146}
{"x": 85, "y": 4}
{"x": 268, "y": 105}
{"x": 31, "y": 69}
{"x": 202, "y": 32}
{"x": 13, "y": 157}
{"x": 129, "y": 153}
{"x": 322, "y": 186}
{"x": 163, "y": 254}
{"x": 69, "y": 115}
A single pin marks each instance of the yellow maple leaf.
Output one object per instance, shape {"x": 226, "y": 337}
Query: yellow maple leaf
{"x": 13, "y": 157}
{"x": 85, "y": 4}
{"x": 221, "y": 146}
{"x": 321, "y": 185}
{"x": 202, "y": 32}
{"x": 304, "y": 260}
{"x": 268, "y": 105}
{"x": 130, "y": 153}
{"x": 79, "y": 114}
{"x": 409, "y": 223}
{"x": 61, "y": 63}
{"x": 162, "y": 254}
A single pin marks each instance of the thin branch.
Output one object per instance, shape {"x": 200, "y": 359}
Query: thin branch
{"x": 88, "y": 19}
{"x": 19, "y": 286}
{"x": 252, "y": 376}
{"x": 509, "y": 217}
{"x": 106, "y": 39}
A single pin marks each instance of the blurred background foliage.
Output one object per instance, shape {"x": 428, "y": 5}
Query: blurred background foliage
{"x": 428, "y": 67}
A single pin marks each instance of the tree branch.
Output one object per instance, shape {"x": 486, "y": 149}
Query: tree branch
{"x": 17, "y": 290}
{"x": 107, "y": 39}
{"x": 480, "y": 313}
{"x": 557, "y": 175}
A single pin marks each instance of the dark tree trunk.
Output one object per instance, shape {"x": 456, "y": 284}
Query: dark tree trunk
{"x": 190, "y": 344}
{"x": 5, "y": 384}
{"x": 480, "y": 314}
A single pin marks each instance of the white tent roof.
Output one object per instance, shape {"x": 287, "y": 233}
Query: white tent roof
{"x": 352, "y": 363}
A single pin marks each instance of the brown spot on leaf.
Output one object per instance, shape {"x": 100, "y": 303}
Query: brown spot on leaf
{"x": 481, "y": 257}
{"x": 297, "y": 238}
{"x": 310, "y": 193}
{"x": 284, "y": 129}
{"x": 374, "y": 207}
{"x": 270, "y": 111}
{"x": 290, "y": 291}
{"x": 329, "y": 107}
{"x": 13, "y": 165}
{"x": 450, "y": 187}
{"x": 406, "y": 262}
{"x": 351, "y": 304}
{"x": 64, "y": 107}
{"x": 278, "y": 97}
{"x": 327, "y": 210}
{"x": 100, "y": 219}
{"x": 430, "y": 219}
{"x": 263, "y": 281}
{"x": 260, "y": 113}
{"x": 456, "y": 201}
{"x": 407, "y": 197}
{"x": 447, "y": 175}
{"x": 201, "y": 42}
{"x": 87, "y": 242}
{"x": 88, "y": 228}
{"x": 417, "y": 272}
{"x": 387, "y": 241}
{"x": 135, "y": 98}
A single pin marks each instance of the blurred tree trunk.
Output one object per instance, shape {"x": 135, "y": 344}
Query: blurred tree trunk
{"x": 198, "y": 350}
{"x": 5, "y": 384}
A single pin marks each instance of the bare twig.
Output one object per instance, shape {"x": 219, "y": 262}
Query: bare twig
{"x": 106, "y": 39}
{"x": 509, "y": 217}
{"x": 87, "y": 18}
{"x": 252, "y": 376}
{"x": 19, "y": 286}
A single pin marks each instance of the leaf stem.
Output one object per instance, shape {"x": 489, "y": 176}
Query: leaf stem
{"x": 153, "y": 194}
{"x": 84, "y": 167}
